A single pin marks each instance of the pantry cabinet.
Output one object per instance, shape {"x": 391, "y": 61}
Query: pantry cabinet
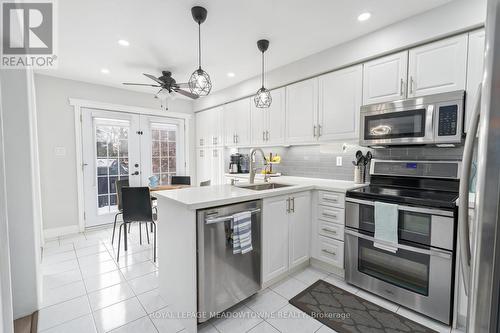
{"x": 237, "y": 123}
{"x": 340, "y": 98}
{"x": 301, "y": 111}
{"x": 286, "y": 227}
{"x": 210, "y": 165}
{"x": 384, "y": 79}
{"x": 475, "y": 64}
{"x": 438, "y": 67}
{"x": 268, "y": 124}
{"x": 209, "y": 128}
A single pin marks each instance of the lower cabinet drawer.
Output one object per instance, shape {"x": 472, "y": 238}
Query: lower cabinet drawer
{"x": 331, "y": 214}
{"x": 331, "y": 251}
{"x": 331, "y": 230}
{"x": 334, "y": 199}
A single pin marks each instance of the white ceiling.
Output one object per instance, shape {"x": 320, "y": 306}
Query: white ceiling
{"x": 163, "y": 35}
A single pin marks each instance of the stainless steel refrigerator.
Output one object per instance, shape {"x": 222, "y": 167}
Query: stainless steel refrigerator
{"x": 481, "y": 269}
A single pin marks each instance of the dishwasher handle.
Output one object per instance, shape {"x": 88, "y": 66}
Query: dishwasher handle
{"x": 219, "y": 219}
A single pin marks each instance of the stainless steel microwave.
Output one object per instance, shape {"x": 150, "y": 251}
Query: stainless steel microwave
{"x": 427, "y": 120}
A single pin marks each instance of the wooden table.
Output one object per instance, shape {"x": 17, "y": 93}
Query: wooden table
{"x": 167, "y": 187}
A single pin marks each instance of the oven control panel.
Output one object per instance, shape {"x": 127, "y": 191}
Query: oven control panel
{"x": 448, "y": 120}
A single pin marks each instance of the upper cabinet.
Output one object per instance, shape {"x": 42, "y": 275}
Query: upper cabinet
{"x": 301, "y": 111}
{"x": 385, "y": 79}
{"x": 438, "y": 67}
{"x": 268, "y": 125}
{"x": 237, "y": 123}
{"x": 475, "y": 63}
{"x": 339, "y": 104}
{"x": 209, "y": 128}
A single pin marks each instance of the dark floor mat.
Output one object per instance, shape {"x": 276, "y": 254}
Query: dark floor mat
{"x": 347, "y": 313}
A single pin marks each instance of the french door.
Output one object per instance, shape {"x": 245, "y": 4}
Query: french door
{"x": 126, "y": 146}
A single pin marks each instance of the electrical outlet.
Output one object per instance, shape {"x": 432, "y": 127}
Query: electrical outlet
{"x": 339, "y": 160}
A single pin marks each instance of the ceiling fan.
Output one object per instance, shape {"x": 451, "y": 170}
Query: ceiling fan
{"x": 167, "y": 82}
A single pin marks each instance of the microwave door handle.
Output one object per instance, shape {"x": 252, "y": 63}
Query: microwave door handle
{"x": 463, "y": 200}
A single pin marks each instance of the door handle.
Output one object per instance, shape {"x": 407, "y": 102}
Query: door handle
{"x": 314, "y": 131}
{"x": 402, "y": 86}
{"x": 320, "y": 130}
{"x": 329, "y": 252}
{"x": 411, "y": 84}
{"x": 293, "y": 205}
{"x": 267, "y": 135}
{"x": 136, "y": 173}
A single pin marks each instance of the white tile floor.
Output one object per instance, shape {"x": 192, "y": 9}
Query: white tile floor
{"x": 86, "y": 291}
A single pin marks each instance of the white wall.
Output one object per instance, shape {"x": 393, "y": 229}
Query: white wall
{"x": 56, "y": 129}
{"x": 23, "y": 215}
{"x": 457, "y": 16}
{"x": 6, "y": 315}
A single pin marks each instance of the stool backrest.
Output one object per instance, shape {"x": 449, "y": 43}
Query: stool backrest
{"x": 180, "y": 180}
{"x": 119, "y": 184}
{"x": 136, "y": 203}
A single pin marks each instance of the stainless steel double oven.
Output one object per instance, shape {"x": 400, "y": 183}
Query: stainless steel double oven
{"x": 418, "y": 274}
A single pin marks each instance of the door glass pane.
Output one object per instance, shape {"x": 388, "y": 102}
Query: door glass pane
{"x": 412, "y": 227}
{"x": 405, "y": 269}
{"x": 163, "y": 151}
{"x": 111, "y": 162}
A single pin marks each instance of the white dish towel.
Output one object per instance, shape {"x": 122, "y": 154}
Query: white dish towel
{"x": 242, "y": 232}
{"x": 386, "y": 226}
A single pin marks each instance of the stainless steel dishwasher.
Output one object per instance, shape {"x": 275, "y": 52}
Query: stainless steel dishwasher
{"x": 224, "y": 278}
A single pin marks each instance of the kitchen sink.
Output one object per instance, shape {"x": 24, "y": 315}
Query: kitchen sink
{"x": 264, "y": 186}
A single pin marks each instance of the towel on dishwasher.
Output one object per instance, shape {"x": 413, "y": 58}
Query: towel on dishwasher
{"x": 386, "y": 226}
{"x": 242, "y": 232}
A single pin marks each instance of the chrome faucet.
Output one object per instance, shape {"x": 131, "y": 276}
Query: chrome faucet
{"x": 252, "y": 164}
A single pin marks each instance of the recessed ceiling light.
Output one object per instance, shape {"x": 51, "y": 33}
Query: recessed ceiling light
{"x": 364, "y": 16}
{"x": 105, "y": 71}
{"x": 231, "y": 74}
{"x": 123, "y": 42}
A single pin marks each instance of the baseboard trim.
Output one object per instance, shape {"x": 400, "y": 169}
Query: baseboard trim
{"x": 61, "y": 231}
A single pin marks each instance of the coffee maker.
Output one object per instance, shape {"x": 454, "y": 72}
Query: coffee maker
{"x": 234, "y": 163}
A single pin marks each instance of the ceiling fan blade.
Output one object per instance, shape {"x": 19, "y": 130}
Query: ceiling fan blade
{"x": 154, "y": 78}
{"x": 182, "y": 85}
{"x": 186, "y": 93}
{"x": 140, "y": 84}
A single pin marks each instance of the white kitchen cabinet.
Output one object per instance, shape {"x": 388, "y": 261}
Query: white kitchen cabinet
{"x": 203, "y": 165}
{"x": 237, "y": 123}
{"x": 438, "y": 67}
{"x": 274, "y": 237}
{"x": 301, "y": 111}
{"x": 300, "y": 228}
{"x": 268, "y": 125}
{"x": 475, "y": 63}
{"x": 209, "y": 165}
{"x": 209, "y": 128}
{"x": 340, "y": 97}
{"x": 384, "y": 79}
{"x": 286, "y": 230}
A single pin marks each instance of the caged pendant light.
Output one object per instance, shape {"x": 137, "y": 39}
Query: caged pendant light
{"x": 199, "y": 83}
{"x": 263, "y": 97}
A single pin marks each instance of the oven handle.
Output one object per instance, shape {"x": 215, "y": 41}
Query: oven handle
{"x": 405, "y": 208}
{"x": 433, "y": 252}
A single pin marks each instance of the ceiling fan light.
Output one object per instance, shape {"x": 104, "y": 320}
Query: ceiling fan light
{"x": 262, "y": 98}
{"x": 199, "y": 83}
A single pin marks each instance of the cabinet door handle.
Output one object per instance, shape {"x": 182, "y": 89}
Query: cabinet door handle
{"x": 329, "y": 230}
{"x": 263, "y": 135}
{"x": 314, "y": 131}
{"x": 320, "y": 130}
{"x": 412, "y": 84}
{"x": 236, "y": 136}
{"x": 201, "y": 142}
{"x": 293, "y": 205}
{"x": 288, "y": 205}
{"x": 329, "y": 252}
{"x": 267, "y": 135}
{"x": 333, "y": 216}
{"x": 402, "y": 87}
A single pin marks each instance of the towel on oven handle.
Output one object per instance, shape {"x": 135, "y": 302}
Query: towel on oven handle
{"x": 386, "y": 226}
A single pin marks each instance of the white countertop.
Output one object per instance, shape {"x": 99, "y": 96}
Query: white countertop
{"x": 217, "y": 195}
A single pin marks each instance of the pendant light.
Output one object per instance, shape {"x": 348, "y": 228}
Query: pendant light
{"x": 263, "y": 98}
{"x": 199, "y": 83}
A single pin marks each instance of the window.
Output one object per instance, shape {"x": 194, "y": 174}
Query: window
{"x": 111, "y": 163}
{"x": 164, "y": 151}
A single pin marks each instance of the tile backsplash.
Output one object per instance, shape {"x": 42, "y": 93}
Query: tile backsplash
{"x": 319, "y": 161}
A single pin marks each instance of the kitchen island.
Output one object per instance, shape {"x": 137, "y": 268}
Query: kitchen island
{"x": 177, "y": 234}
